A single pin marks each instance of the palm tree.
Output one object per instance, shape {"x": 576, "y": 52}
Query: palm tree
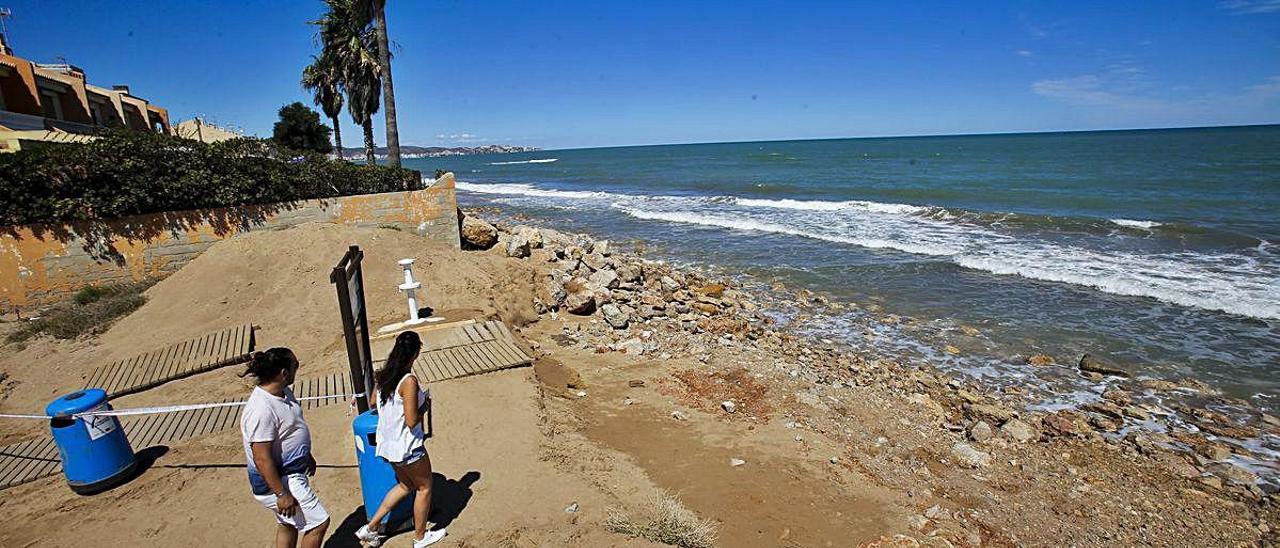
{"x": 348, "y": 42}
{"x": 324, "y": 80}
{"x": 378, "y": 8}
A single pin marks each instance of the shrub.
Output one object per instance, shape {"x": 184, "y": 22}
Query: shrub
{"x": 90, "y": 310}
{"x": 128, "y": 173}
{"x": 300, "y": 128}
{"x": 666, "y": 521}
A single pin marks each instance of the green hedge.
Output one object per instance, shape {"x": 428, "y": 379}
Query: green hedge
{"x": 128, "y": 173}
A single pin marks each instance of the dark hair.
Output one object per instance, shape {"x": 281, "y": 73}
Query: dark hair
{"x": 399, "y": 363}
{"x": 266, "y": 365}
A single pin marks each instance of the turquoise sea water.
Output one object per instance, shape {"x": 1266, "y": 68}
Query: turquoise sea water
{"x": 1157, "y": 247}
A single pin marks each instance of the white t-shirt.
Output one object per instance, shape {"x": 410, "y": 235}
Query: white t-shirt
{"x": 277, "y": 420}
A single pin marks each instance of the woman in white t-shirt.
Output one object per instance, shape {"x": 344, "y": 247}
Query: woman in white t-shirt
{"x": 277, "y": 445}
{"x": 401, "y": 441}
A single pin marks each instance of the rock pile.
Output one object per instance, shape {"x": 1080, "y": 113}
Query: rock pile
{"x": 589, "y": 279}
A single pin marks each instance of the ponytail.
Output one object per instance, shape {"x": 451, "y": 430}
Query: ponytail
{"x": 265, "y": 366}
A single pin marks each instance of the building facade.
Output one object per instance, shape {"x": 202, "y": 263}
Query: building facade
{"x": 42, "y": 103}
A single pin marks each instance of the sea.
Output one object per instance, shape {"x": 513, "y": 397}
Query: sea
{"x": 1159, "y": 249}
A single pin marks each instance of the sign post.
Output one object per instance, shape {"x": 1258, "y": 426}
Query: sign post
{"x": 349, "y": 280}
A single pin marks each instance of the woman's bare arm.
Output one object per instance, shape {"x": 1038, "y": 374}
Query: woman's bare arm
{"x": 409, "y": 393}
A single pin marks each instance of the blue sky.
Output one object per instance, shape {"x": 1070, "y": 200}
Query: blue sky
{"x": 559, "y": 74}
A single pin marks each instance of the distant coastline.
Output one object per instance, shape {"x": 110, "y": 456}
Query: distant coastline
{"x": 432, "y": 152}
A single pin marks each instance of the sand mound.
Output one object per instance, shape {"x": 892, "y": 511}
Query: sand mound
{"x": 279, "y": 281}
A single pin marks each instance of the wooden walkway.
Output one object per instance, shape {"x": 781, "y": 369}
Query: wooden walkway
{"x": 219, "y": 349}
{"x": 453, "y": 352}
{"x": 466, "y": 350}
{"x": 34, "y": 459}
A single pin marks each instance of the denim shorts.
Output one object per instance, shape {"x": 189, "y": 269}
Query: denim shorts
{"x": 414, "y": 456}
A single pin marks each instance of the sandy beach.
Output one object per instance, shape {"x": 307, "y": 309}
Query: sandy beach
{"x": 818, "y": 447}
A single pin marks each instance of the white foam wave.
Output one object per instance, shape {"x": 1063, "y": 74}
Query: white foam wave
{"x": 822, "y": 205}
{"x": 1225, "y": 283}
{"x": 539, "y": 161}
{"x": 1244, "y": 283}
{"x": 529, "y": 190}
{"x": 1135, "y": 224}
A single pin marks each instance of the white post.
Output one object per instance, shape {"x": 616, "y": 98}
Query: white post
{"x": 409, "y": 287}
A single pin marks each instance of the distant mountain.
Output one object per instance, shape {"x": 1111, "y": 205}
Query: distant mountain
{"x": 428, "y": 152}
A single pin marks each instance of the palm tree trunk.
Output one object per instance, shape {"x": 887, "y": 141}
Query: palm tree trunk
{"x": 368, "y": 143}
{"x": 388, "y": 91}
{"x": 337, "y": 136}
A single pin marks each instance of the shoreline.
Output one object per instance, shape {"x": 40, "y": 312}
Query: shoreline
{"x": 1141, "y": 414}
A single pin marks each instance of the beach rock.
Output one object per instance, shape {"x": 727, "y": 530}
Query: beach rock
{"x": 582, "y": 303}
{"x": 969, "y": 457}
{"x": 602, "y": 247}
{"x": 710, "y": 290}
{"x": 669, "y": 284}
{"x": 1094, "y": 364}
{"x": 478, "y": 234}
{"x": 728, "y": 406}
{"x": 555, "y": 293}
{"x": 531, "y": 235}
{"x": 632, "y": 347}
{"x": 628, "y": 273}
{"x": 706, "y": 308}
{"x": 1232, "y": 473}
{"x": 1019, "y": 431}
{"x": 602, "y": 280}
{"x": 1117, "y": 396}
{"x": 1059, "y": 424}
{"x": 1157, "y": 385}
{"x": 735, "y": 462}
{"x": 980, "y": 432}
{"x": 1104, "y": 408}
{"x": 595, "y": 261}
{"x": 1040, "y": 360}
{"x": 615, "y": 317}
{"x": 994, "y": 414}
{"x": 517, "y": 246}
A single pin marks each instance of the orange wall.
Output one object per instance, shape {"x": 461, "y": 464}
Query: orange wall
{"x": 40, "y": 264}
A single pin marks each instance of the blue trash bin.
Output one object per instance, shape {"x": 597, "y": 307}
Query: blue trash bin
{"x": 95, "y": 452}
{"x": 376, "y": 475}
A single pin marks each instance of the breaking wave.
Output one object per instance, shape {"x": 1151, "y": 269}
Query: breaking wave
{"x": 1241, "y": 281}
{"x": 540, "y": 161}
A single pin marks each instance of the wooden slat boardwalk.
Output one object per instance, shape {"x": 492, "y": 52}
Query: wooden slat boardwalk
{"x": 37, "y": 458}
{"x": 452, "y": 352}
{"x": 466, "y": 350}
{"x": 219, "y": 349}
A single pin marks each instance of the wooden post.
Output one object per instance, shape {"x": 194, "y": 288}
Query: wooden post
{"x": 349, "y": 281}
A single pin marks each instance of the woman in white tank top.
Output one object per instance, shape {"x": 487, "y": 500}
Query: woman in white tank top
{"x": 401, "y": 441}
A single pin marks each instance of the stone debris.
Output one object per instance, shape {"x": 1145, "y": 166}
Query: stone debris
{"x": 736, "y": 462}
{"x": 969, "y": 457}
{"x": 728, "y": 406}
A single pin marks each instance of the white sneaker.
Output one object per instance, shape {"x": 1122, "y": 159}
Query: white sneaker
{"x": 369, "y": 538}
{"x": 431, "y": 537}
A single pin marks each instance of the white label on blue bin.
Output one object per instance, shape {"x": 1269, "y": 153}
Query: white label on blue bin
{"x": 359, "y": 445}
{"x": 99, "y": 425}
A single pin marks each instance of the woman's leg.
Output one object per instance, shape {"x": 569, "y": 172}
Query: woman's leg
{"x": 394, "y": 496}
{"x": 420, "y": 474}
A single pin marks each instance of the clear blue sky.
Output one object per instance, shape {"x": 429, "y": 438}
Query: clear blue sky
{"x": 562, "y": 74}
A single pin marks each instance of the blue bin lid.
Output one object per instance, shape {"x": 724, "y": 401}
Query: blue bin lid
{"x": 76, "y": 402}
{"x": 365, "y": 423}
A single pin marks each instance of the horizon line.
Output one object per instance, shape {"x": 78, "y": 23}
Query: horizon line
{"x": 920, "y": 136}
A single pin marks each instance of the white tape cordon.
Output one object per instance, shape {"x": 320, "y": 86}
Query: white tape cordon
{"x": 164, "y": 408}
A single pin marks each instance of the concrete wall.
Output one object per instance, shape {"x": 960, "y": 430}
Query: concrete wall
{"x": 40, "y": 264}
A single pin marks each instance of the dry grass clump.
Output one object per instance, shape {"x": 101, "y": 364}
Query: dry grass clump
{"x": 667, "y": 521}
{"x": 90, "y": 310}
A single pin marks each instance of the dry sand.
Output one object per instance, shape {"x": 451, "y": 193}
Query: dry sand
{"x": 515, "y": 448}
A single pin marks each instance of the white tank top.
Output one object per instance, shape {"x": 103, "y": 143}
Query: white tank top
{"x": 395, "y": 439}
